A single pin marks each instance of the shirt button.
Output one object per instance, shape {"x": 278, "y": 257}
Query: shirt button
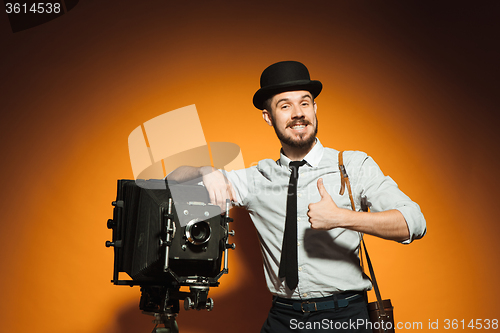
{"x": 300, "y": 269}
{"x": 304, "y": 294}
{"x": 298, "y": 243}
{"x": 299, "y": 195}
{"x": 298, "y": 218}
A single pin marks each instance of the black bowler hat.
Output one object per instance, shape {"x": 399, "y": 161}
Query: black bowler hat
{"x": 284, "y": 76}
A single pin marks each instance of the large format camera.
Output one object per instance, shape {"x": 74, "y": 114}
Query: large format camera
{"x": 165, "y": 236}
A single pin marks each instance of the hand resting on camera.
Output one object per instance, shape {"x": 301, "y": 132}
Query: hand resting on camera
{"x": 218, "y": 187}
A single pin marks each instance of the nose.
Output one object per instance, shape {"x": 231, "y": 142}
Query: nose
{"x": 297, "y": 112}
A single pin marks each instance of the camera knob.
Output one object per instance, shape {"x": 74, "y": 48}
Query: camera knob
{"x": 232, "y": 233}
{"x": 188, "y": 303}
{"x": 114, "y": 244}
{"x": 111, "y": 224}
{"x": 210, "y": 304}
{"x": 117, "y": 203}
{"x": 231, "y": 246}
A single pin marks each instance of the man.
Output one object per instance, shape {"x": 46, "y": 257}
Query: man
{"x": 309, "y": 236}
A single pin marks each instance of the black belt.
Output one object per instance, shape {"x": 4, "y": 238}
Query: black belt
{"x": 317, "y": 304}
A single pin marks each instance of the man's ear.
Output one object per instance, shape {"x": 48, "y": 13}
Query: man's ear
{"x": 315, "y": 107}
{"x": 267, "y": 117}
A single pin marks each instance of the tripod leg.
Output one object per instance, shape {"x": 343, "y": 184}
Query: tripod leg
{"x": 170, "y": 326}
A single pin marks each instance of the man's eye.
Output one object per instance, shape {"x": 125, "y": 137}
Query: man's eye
{"x": 285, "y": 106}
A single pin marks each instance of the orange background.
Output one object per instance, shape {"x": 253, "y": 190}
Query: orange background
{"x": 415, "y": 86}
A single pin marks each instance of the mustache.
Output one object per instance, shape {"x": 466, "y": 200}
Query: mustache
{"x": 298, "y": 122}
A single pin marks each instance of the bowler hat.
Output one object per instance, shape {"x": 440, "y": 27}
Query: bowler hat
{"x": 284, "y": 76}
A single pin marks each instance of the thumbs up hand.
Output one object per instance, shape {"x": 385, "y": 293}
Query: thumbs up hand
{"x": 324, "y": 214}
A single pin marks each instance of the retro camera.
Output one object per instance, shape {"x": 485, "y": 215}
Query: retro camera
{"x": 165, "y": 236}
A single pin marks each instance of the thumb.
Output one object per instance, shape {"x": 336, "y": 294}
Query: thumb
{"x": 322, "y": 189}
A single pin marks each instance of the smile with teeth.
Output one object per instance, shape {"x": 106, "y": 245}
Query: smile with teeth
{"x": 298, "y": 126}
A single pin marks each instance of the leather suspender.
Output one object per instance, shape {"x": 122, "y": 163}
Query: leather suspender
{"x": 344, "y": 181}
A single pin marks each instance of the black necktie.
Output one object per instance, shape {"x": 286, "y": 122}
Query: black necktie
{"x": 288, "y": 263}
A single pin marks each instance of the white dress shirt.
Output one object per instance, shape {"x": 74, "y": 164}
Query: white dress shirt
{"x": 327, "y": 259}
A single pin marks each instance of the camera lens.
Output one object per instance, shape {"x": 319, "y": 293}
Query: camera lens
{"x": 198, "y": 232}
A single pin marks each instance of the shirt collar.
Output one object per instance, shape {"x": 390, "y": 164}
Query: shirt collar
{"x": 312, "y": 158}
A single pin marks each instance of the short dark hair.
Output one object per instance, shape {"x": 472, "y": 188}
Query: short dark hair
{"x": 267, "y": 104}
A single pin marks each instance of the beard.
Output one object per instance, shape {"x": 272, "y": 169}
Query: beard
{"x": 302, "y": 142}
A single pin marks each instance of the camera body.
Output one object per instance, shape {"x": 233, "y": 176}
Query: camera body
{"x": 167, "y": 234}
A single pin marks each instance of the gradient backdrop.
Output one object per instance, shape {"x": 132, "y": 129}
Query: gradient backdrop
{"x": 414, "y": 85}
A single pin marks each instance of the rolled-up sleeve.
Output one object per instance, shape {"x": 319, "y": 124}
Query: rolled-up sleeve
{"x": 382, "y": 193}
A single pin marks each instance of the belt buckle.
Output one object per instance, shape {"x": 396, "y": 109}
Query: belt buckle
{"x": 307, "y": 303}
